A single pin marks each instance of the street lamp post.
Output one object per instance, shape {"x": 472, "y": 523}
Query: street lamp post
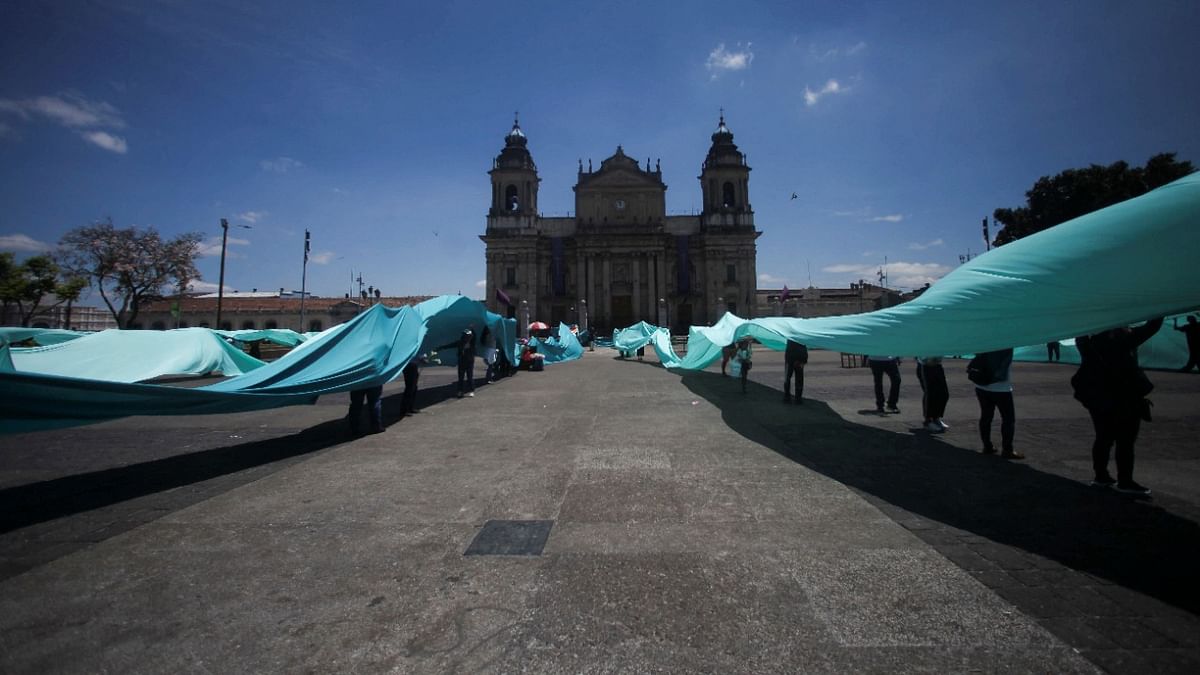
{"x": 221, "y": 278}
{"x": 584, "y": 327}
{"x": 525, "y": 318}
{"x": 663, "y": 317}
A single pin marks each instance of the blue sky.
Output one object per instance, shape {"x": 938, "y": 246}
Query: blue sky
{"x": 899, "y": 126}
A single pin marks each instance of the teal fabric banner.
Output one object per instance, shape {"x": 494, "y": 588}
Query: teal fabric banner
{"x": 42, "y": 336}
{"x": 136, "y": 355}
{"x": 279, "y": 336}
{"x": 562, "y": 346}
{"x": 638, "y": 335}
{"x": 1120, "y": 265}
{"x": 369, "y": 350}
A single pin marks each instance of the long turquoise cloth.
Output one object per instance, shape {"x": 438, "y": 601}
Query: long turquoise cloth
{"x": 1127, "y": 263}
{"x": 562, "y": 346}
{"x": 279, "y": 336}
{"x": 42, "y": 336}
{"x": 638, "y": 335}
{"x": 136, "y": 355}
{"x": 1166, "y": 350}
{"x": 369, "y": 350}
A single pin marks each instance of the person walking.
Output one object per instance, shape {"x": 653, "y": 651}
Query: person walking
{"x": 993, "y": 389}
{"x": 1191, "y": 331}
{"x": 1113, "y": 387}
{"x": 466, "y": 363}
{"x": 889, "y": 365}
{"x": 1053, "y": 350}
{"x": 745, "y": 357}
{"x": 489, "y": 354}
{"x": 935, "y": 393}
{"x": 374, "y": 405}
{"x": 795, "y": 357}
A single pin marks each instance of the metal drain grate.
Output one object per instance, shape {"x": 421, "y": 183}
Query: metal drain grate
{"x": 511, "y": 537}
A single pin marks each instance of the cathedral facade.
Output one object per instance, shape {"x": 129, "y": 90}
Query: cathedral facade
{"x": 621, "y": 259}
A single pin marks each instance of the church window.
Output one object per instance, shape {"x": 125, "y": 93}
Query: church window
{"x": 727, "y": 196}
{"x": 270, "y": 325}
{"x": 247, "y": 325}
{"x": 315, "y": 325}
{"x": 158, "y": 325}
{"x": 731, "y": 274}
{"x": 510, "y": 276}
{"x": 512, "y": 202}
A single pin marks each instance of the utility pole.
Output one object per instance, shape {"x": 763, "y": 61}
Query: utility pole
{"x": 987, "y": 240}
{"x": 304, "y": 277}
{"x": 221, "y": 278}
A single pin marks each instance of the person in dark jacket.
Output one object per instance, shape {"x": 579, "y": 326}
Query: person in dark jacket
{"x": 794, "y": 357}
{"x": 466, "y": 363}
{"x": 412, "y": 376}
{"x": 1113, "y": 388}
{"x": 997, "y": 393}
{"x": 935, "y": 393}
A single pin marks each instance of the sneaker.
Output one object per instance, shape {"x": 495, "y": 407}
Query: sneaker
{"x": 1132, "y": 488}
{"x": 460, "y": 394}
{"x": 470, "y": 394}
{"x": 879, "y": 409}
{"x": 893, "y": 409}
{"x": 942, "y": 424}
{"x": 1012, "y": 454}
{"x": 988, "y": 450}
{"x": 1104, "y": 481}
{"x": 934, "y": 428}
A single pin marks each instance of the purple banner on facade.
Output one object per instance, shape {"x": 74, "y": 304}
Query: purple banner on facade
{"x": 683, "y": 276}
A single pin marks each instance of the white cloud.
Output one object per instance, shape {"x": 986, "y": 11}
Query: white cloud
{"x": 900, "y": 274}
{"x": 252, "y": 216}
{"x": 890, "y": 218}
{"x": 21, "y": 242}
{"x": 212, "y": 246}
{"x": 831, "y": 87}
{"x": 856, "y": 48}
{"x": 921, "y": 247}
{"x": 769, "y": 280}
{"x": 834, "y": 53}
{"x": 482, "y": 283}
{"x": 720, "y": 60}
{"x": 73, "y": 111}
{"x": 198, "y": 286}
{"x": 322, "y": 258}
{"x": 280, "y": 164}
{"x": 107, "y": 141}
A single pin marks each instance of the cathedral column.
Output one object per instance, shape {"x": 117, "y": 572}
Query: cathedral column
{"x": 606, "y": 289}
{"x": 581, "y": 281}
{"x": 637, "y": 285}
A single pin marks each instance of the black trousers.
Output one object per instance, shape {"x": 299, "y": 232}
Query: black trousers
{"x": 408, "y": 403}
{"x": 374, "y": 406}
{"x": 790, "y": 369}
{"x": 1118, "y": 426}
{"x": 878, "y": 368}
{"x": 936, "y": 391}
{"x": 466, "y": 371}
{"x": 989, "y": 401}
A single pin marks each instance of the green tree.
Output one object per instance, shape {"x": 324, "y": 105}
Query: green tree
{"x": 129, "y": 267}
{"x": 1075, "y": 192}
{"x": 28, "y": 284}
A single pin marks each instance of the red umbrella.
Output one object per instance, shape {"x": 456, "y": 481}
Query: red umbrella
{"x": 538, "y": 325}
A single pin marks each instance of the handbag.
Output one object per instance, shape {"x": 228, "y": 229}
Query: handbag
{"x": 979, "y": 372}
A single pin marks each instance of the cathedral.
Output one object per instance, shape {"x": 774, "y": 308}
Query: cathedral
{"x": 621, "y": 259}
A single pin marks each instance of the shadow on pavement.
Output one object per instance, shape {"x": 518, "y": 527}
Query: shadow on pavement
{"x": 1135, "y": 544}
{"x": 34, "y": 503}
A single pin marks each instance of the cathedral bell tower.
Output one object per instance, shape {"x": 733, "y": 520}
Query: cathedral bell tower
{"x": 725, "y": 180}
{"x": 514, "y": 183}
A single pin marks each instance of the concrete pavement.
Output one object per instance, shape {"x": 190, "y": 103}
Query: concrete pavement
{"x": 695, "y": 529}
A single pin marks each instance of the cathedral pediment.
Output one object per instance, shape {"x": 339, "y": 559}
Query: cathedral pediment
{"x": 621, "y": 171}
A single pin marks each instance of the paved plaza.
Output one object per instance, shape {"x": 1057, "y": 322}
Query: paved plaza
{"x": 692, "y": 528}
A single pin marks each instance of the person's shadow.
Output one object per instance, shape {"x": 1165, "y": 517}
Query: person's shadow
{"x": 1129, "y": 542}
